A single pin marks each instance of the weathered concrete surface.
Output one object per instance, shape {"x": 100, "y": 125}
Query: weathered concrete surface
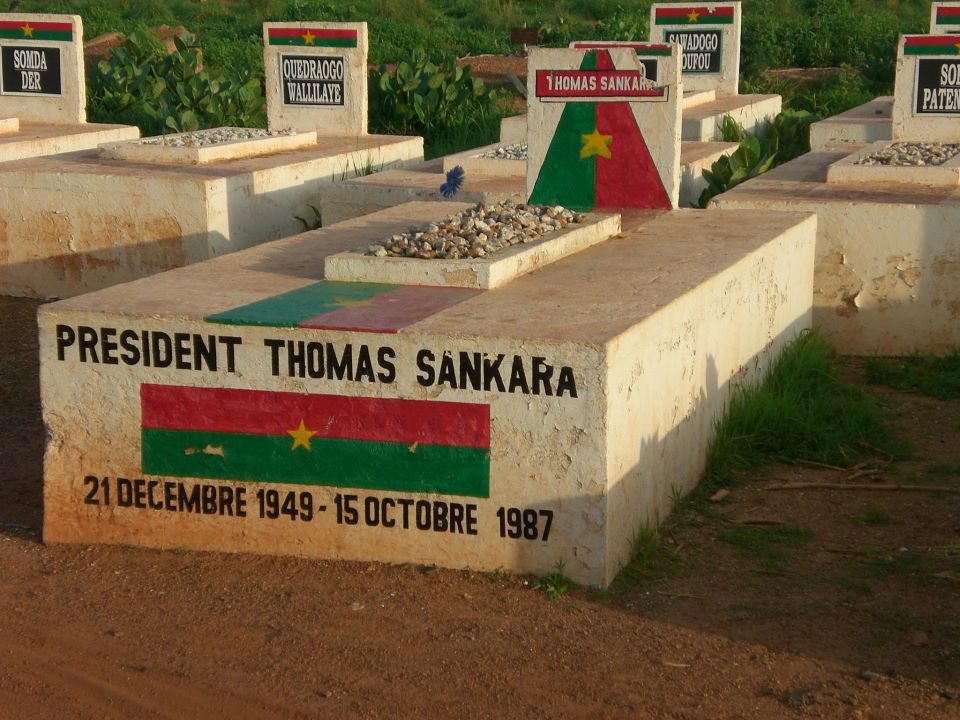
{"x": 39, "y": 101}
{"x": 941, "y": 122}
{"x": 725, "y": 79}
{"x": 363, "y": 195}
{"x": 654, "y": 328}
{"x": 345, "y": 114}
{"x": 864, "y": 124}
{"x": 483, "y": 273}
{"x": 888, "y": 255}
{"x": 9, "y": 125}
{"x": 32, "y": 139}
{"x": 701, "y": 121}
{"x": 203, "y": 155}
{"x": 847, "y": 170}
{"x": 77, "y": 222}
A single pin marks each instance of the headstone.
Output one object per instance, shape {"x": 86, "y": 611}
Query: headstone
{"x": 710, "y": 36}
{"x": 927, "y": 95}
{"x": 945, "y": 18}
{"x": 316, "y": 77}
{"x": 41, "y": 68}
{"x": 601, "y": 134}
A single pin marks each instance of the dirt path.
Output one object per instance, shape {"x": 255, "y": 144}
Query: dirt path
{"x": 819, "y": 604}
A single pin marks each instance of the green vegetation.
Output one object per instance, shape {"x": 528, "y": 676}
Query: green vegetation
{"x": 769, "y": 545}
{"x": 877, "y": 517}
{"x": 556, "y": 584}
{"x": 938, "y": 377}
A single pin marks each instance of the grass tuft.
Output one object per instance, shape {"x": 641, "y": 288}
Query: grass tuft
{"x": 768, "y": 544}
{"x": 937, "y": 377}
{"x": 556, "y": 584}
{"x": 803, "y": 410}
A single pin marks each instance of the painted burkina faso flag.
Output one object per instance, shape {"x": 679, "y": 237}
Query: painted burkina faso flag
{"x": 598, "y": 158}
{"x": 694, "y": 15}
{"x": 414, "y": 446}
{"x": 313, "y": 37}
{"x": 357, "y": 307}
{"x": 931, "y": 45}
{"x": 644, "y": 49}
{"x": 24, "y": 30}
{"x": 948, "y": 15}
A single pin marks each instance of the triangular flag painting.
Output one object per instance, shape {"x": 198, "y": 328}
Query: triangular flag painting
{"x": 591, "y": 115}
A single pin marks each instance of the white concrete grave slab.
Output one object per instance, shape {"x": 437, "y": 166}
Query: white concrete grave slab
{"x": 945, "y": 17}
{"x": 926, "y": 102}
{"x": 544, "y": 421}
{"x": 207, "y": 146}
{"x": 41, "y": 68}
{"x": 316, "y": 77}
{"x": 861, "y": 125}
{"x": 8, "y": 126}
{"x": 873, "y": 164}
{"x": 709, "y": 33}
{"x": 601, "y": 135}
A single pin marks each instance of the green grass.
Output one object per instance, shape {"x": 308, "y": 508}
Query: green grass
{"x": 803, "y": 410}
{"x": 938, "y": 377}
{"x": 877, "y": 517}
{"x": 649, "y": 561}
{"x": 770, "y": 545}
{"x": 556, "y": 584}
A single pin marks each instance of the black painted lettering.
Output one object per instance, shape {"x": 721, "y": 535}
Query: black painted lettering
{"x": 66, "y": 336}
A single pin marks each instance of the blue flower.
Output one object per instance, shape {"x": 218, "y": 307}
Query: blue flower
{"x": 454, "y": 182}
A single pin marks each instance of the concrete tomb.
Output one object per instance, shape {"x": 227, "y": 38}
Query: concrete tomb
{"x": 316, "y": 77}
{"x": 82, "y": 221}
{"x": 888, "y": 249}
{"x": 945, "y": 17}
{"x": 43, "y": 98}
{"x": 543, "y": 421}
{"x": 602, "y": 133}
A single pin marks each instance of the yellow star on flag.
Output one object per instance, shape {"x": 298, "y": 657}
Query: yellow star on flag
{"x": 693, "y": 16}
{"x": 596, "y": 144}
{"x": 27, "y": 30}
{"x": 346, "y": 303}
{"x": 308, "y": 38}
{"x": 301, "y": 436}
{"x": 958, "y": 48}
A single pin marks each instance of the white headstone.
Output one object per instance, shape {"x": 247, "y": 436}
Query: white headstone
{"x": 41, "y": 68}
{"x": 945, "y": 18}
{"x": 316, "y": 77}
{"x": 927, "y": 97}
{"x": 601, "y": 134}
{"x": 710, "y": 36}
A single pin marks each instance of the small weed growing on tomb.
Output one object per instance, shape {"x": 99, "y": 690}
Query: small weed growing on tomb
{"x": 770, "y": 545}
{"x": 650, "y": 560}
{"x": 877, "y": 517}
{"x": 803, "y": 410}
{"x": 314, "y": 223}
{"x": 454, "y": 182}
{"x": 938, "y": 377}
{"x": 556, "y": 584}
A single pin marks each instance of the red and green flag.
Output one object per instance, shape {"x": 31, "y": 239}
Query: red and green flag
{"x": 598, "y": 158}
{"x": 410, "y": 446}
{"x": 356, "y": 307}
{"x": 312, "y": 37}
{"x": 948, "y": 15}
{"x": 693, "y": 15}
{"x": 931, "y": 45}
{"x": 642, "y": 49}
{"x": 32, "y": 30}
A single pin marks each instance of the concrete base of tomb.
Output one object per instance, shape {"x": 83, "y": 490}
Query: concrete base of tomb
{"x": 888, "y": 255}
{"x": 851, "y": 170}
{"x": 862, "y": 125}
{"x": 9, "y": 125}
{"x": 78, "y": 222}
{"x": 701, "y": 117}
{"x": 545, "y": 421}
{"x": 363, "y": 195}
{"x": 33, "y": 139}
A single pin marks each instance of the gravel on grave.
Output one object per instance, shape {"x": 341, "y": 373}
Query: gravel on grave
{"x": 477, "y": 232}
{"x": 517, "y": 151}
{"x": 912, "y": 154}
{"x": 213, "y": 136}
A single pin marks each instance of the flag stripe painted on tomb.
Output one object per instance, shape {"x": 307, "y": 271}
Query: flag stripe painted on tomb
{"x": 694, "y": 15}
{"x": 598, "y": 158}
{"x": 368, "y": 443}
{"x": 357, "y": 307}
{"x": 932, "y": 45}
{"x": 948, "y": 15}
{"x": 313, "y": 37}
{"x": 21, "y": 30}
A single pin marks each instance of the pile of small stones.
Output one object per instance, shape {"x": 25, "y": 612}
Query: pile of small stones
{"x": 912, "y": 154}
{"x": 517, "y": 151}
{"x": 477, "y": 232}
{"x": 214, "y": 136}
